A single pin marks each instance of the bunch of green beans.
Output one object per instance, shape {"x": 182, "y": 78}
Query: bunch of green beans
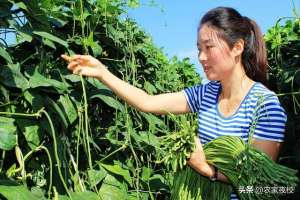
{"x": 246, "y": 166}
{"x": 242, "y": 164}
{"x": 190, "y": 185}
{"x": 177, "y": 146}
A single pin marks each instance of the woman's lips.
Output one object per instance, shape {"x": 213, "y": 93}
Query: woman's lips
{"x": 206, "y": 68}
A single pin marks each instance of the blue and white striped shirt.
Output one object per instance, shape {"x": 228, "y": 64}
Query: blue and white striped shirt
{"x": 270, "y": 116}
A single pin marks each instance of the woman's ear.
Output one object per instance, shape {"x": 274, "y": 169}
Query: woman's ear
{"x": 238, "y": 47}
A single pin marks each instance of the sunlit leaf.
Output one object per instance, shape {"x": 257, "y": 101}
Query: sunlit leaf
{"x": 5, "y": 55}
{"x": 146, "y": 173}
{"x": 17, "y": 192}
{"x": 38, "y": 80}
{"x": 51, "y": 37}
{"x": 112, "y": 189}
{"x": 68, "y": 107}
{"x": 133, "y": 3}
{"x": 116, "y": 169}
{"x": 8, "y": 137}
{"x": 95, "y": 176}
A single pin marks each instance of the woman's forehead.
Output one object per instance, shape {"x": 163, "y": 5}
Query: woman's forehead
{"x": 207, "y": 34}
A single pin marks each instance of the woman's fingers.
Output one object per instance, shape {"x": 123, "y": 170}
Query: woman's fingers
{"x": 75, "y": 58}
{"x": 66, "y": 57}
{"x": 197, "y": 142}
{"x": 77, "y": 70}
{"x": 72, "y": 65}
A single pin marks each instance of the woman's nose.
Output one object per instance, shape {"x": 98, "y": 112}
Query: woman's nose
{"x": 202, "y": 56}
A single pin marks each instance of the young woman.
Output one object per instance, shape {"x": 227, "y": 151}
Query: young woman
{"x": 233, "y": 55}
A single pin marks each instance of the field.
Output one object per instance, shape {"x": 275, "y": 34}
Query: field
{"x": 63, "y": 136}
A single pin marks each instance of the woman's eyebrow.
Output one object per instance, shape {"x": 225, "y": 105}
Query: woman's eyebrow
{"x": 204, "y": 41}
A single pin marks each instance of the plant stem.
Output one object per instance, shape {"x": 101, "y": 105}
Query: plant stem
{"x": 51, "y": 169}
{"x": 114, "y": 152}
{"x": 50, "y": 163}
{"x": 86, "y": 123}
{"x": 22, "y": 114}
{"x": 56, "y": 153}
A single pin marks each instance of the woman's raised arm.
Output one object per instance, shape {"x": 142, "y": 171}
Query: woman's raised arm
{"x": 158, "y": 104}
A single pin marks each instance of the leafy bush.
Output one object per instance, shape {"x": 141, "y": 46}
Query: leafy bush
{"x": 64, "y": 135}
{"x": 283, "y": 44}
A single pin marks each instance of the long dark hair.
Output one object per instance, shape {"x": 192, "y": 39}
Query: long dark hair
{"x": 232, "y": 26}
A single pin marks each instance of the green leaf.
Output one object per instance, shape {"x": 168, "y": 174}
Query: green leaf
{"x": 96, "y": 176}
{"x": 57, "y": 109}
{"x": 112, "y": 102}
{"x": 110, "y": 192}
{"x": 11, "y": 76}
{"x": 146, "y": 173}
{"x": 12, "y": 191}
{"x": 20, "y": 5}
{"x": 31, "y": 131}
{"x": 142, "y": 196}
{"x": 8, "y": 136}
{"x": 89, "y": 41}
{"x": 73, "y": 78}
{"x": 51, "y": 37}
{"x": 49, "y": 43}
{"x": 5, "y": 55}
{"x": 38, "y": 80}
{"x": 157, "y": 182}
{"x": 84, "y": 195}
{"x": 38, "y": 192}
{"x": 35, "y": 99}
{"x": 24, "y": 33}
{"x": 149, "y": 87}
{"x": 68, "y": 107}
{"x": 96, "y": 83}
{"x": 57, "y": 21}
{"x": 116, "y": 169}
{"x": 149, "y": 138}
{"x": 153, "y": 121}
{"x": 133, "y": 3}
{"x": 112, "y": 189}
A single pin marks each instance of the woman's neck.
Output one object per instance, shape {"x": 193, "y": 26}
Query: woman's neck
{"x": 236, "y": 83}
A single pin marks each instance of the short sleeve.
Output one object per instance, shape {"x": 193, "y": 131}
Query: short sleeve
{"x": 193, "y": 96}
{"x": 271, "y": 120}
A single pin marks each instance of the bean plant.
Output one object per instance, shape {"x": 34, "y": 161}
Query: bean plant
{"x": 63, "y": 136}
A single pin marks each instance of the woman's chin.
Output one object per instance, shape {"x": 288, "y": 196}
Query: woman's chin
{"x": 211, "y": 77}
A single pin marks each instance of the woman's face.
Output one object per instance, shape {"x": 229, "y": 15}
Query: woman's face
{"x": 214, "y": 54}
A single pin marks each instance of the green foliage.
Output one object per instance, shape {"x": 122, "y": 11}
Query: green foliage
{"x": 8, "y": 137}
{"x": 55, "y": 125}
{"x": 283, "y": 44}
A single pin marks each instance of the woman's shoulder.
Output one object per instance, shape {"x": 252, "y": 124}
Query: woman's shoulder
{"x": 264, "y": 96}
{"x": 261, "y": 91}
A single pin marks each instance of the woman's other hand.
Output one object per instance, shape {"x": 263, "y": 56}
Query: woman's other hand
{"x": 198, "y": 161}
{"x": 85, "y": 65}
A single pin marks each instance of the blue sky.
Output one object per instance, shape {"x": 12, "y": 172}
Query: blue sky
{"x": 175, "y": 28}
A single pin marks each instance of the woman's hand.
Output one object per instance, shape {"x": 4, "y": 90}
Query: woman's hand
{"x": 85, "y": 65}
{"x": 198, "y": 161}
